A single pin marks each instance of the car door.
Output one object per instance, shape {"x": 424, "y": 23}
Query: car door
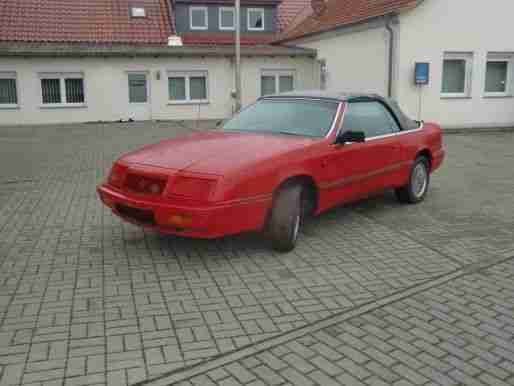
{"x": 354, "y": 170}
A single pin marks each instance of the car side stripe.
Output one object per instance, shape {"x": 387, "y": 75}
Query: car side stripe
{"x": 361, "y": 177}
{"x": 246, "y": 200}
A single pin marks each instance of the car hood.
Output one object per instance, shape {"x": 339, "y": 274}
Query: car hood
{"x": 215, "y": 152}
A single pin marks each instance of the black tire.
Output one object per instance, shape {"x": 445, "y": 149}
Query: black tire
{"x": 412, "y": 193}
{"x": 286, "y": 218}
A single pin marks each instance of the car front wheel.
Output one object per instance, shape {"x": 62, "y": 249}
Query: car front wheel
{"x": 416, "y": 190}
{"x": 286, "y": 218}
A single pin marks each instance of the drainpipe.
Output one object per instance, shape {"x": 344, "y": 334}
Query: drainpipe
{"x": 390, "y": 29}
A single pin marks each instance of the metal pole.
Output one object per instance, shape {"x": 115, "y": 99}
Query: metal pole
{"x": 238, "y": 56}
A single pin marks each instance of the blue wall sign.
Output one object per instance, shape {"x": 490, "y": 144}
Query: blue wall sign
{"x": 422, "y": 73}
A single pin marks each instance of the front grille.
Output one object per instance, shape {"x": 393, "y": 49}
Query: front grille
{"x": 144, "y": 184}
{"x": 143, "y": 216}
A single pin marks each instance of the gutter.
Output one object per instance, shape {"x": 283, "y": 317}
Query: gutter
{"x": 390, "y": 60}
{"x": 14, "y": 49}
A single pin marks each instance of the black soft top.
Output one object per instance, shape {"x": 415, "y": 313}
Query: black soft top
{"x": 405, "y": 122}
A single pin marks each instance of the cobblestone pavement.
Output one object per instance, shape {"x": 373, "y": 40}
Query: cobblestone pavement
{"x": 457, "y": 333}
{"x": 86, "y": 299}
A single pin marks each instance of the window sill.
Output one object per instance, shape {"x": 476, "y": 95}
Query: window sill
{"x": 256, "y": 29}
{"x": 455, "y": 96}
{"x": 493, "y": 96}
{"x": 64, "y": 106}
{"x": 182, "y": 103}
{"x": 227, "y": 28}
{"x": 199, "y": 28}
{"x": 9, "y": 107}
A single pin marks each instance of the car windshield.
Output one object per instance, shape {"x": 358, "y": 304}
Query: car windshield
{"x": 308, "y": 118}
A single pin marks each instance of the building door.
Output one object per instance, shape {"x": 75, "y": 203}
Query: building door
{"x": 139, "y": 96}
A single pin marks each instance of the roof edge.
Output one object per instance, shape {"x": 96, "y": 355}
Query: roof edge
{"x": 15, "y": 49}
{"x": 415, "y": 3}
{"x": 369, "y": 23}
{"x": 231, "y": 2}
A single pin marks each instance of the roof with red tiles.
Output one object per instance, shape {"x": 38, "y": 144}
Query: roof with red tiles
{"x": 230, "y": 2}
{"x": 92, "y": 21}
{"x": 292, "y": 11}
{"x": 339, "y": 13}
{"x": 109, "y": 21}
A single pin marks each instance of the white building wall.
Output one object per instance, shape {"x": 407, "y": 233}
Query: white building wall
{"x": 437, "y": 26}
{"x": 306, "y": 74}
{"x": 106, "y": 87}
{"x": 355, "y": 61}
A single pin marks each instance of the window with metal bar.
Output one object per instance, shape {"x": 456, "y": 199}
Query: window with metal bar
{"x": 51, "y": 91}
{"x": 8, "y": 93}
{"x": 62, "y": 89}
{"x": 74, "y": 90}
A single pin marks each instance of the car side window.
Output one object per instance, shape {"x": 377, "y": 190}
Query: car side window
{"x": 371, "y": 117}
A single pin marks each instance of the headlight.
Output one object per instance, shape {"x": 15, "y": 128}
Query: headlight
{"x": 193, "y": 187}
{"x": 116, "y": 175}
{"x": 145, "y": 184}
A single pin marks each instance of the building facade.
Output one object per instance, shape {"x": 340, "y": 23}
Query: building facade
{"x": 174, "y": 59}
{"x": 124, "y": 66}
{"x": 374, "y": 46}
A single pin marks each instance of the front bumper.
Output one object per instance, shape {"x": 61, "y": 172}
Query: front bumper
{"x": 209, "y": 221}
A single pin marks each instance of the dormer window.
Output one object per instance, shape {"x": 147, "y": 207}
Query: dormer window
{"x": 227, "y": 17}
{"x": 198, "y": 18}
{"x": 255, "y": 19}
{"x": 137, "y": 12}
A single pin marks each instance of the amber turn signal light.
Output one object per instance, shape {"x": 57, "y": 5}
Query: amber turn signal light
{"x": 180, "y": 220}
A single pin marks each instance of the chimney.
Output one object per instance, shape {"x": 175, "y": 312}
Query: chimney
{"x": 175, "y": 41}
{"x": 319, "y": 6}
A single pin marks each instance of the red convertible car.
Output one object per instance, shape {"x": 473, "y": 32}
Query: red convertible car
{"x": 283, "y": 158}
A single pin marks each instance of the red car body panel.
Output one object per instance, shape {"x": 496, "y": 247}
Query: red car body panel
{"x": 243, "y": 170}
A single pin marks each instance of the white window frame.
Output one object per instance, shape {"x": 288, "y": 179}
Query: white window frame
{"x": 500, "y": 57}
{"x": 62, "y": 84}
{"x": 468, "y": 79}
{"x": 248, "y": 12}
{"x": 220, "y": 11}
{"x": 206, "y": 13}
{"x": 11, "y": 75}
{"x": 187, "y": 75}
{"x": 277, "y": 74}
{"x": 148, "y": 85}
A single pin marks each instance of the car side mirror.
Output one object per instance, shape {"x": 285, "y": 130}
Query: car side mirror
{"x": 350, "y": 137}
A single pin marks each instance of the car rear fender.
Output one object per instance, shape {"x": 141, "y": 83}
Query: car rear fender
{"x": 432, "y": 145}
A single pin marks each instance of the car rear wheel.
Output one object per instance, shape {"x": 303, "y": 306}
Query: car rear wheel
{"x": 416, "y": 190}
{"x": 286, "y": 218}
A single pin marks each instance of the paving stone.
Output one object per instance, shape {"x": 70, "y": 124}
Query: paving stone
{"x": 80, "y": 286}
{"x": 396, "y": 367}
